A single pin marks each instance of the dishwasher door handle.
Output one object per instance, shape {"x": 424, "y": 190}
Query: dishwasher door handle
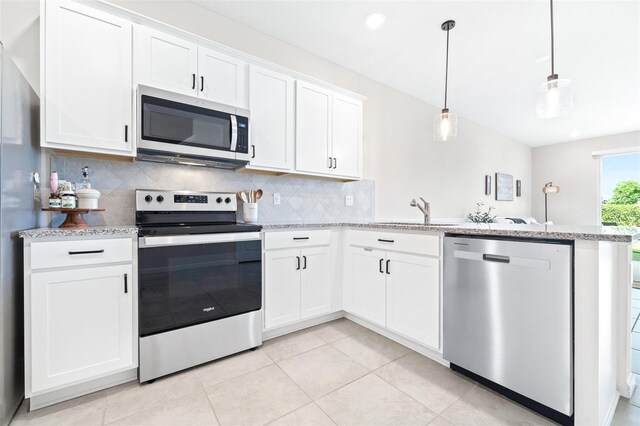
{"x": 496, "y": 258}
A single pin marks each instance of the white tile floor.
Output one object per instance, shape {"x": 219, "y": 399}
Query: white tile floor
{"x": 335, "y": 373}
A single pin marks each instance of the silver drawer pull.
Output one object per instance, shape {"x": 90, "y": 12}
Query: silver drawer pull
{"x": 73, "y": 253}
{"x": 300, "y": 238}
{"x": 385, "y": 241}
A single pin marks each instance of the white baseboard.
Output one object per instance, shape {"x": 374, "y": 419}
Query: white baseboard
{"x": 612, "y": 410}
{"x": 291, "y": 328}
{"x": 424, "y": 350}
{"x": 627, "y": 389}
{"x": 421, "y": 349}
{"x": 49, "y": 398}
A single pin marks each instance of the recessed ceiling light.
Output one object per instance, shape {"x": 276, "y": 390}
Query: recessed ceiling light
{"x": 375, "y": 20}
{"x": 542, "y": 58}
{"x": 575, "y": 134}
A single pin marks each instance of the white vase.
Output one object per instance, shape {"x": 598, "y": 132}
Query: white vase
{"x": 250, "y": 212}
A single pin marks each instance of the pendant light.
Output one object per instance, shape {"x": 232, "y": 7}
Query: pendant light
{"x": 445, "y": 125}
{"x": 554, "y": 96}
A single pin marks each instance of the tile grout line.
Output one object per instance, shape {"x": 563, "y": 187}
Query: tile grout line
{"x": 406, "y": 394}
{"x": 206, "y": 395}
{"x": 301, "y": 390}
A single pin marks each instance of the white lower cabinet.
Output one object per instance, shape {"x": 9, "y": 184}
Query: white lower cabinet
{"x": 413, "y": 297}
{"x": 398, "y": 291}
{"x": 297, "y": 280}
{"x": 368, "y": 284}
{"x": 80, "y": 316}
{"x": 282, "y": 287}
{"x": 315, "y": 282}
{"x": 82, "y": 324}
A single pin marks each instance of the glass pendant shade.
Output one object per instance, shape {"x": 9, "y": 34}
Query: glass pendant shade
{"x": 554, "y": 98}
{"x": 445, "y": 126}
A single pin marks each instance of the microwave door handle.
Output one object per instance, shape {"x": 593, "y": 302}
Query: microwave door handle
{"x": 234, "y": 133}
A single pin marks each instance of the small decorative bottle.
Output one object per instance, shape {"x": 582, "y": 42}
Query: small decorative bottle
{"x": 53, "y": 182}
{"x": 86, "y": 183}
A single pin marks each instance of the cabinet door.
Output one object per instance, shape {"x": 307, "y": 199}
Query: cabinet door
{"x": 88, "y": 79}
{"x": 347, "y": 136}
{"x": 313, "y": 128}
{"x": 165, "y": 61}
{"x": 315, "y": 283}
{"x": 223, "y": 78}
{"x": 413, "y": 297}
{"x": 368, "y": 284}
{"x": 271, "y": 101}
{"x": 282, "y": 287}
{"x": 81, "y": 324}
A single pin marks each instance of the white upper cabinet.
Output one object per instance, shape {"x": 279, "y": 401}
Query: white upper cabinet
{"x": 271, "y": 102}
{"x": 413, "y": 297}
{"x": 313, "y": 128}
{"x": 328, "y": 132}
{"x": 347, "y": 136}
{"x": 165, "y": 61}
{"x": 223, "y": 78}
{"x": 179, "y": 65}
{"x": 88, "y": 92}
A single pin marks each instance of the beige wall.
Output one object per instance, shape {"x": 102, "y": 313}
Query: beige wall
{"x": 572, "y": 166}
{"x": 399, "y": 153}
{"x": 20, "y": 35}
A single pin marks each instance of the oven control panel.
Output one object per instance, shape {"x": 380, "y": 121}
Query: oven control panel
{"x": 152, "y": 200}
{"x": 189, "y": 198}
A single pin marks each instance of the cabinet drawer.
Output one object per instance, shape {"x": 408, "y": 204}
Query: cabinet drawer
{"x": 62, "y": 254}
{"x": 292, "y": 239}
{"x": 410, "y": 243}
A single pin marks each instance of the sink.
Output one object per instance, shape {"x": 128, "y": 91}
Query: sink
{"x": 414, "y": 224}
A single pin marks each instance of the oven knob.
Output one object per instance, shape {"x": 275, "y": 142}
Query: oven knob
{"x": 160, "y": 198}
{"x": 227, "y": 200}
{"x": 148, "y": 198}
{"x": 219, "y": 200}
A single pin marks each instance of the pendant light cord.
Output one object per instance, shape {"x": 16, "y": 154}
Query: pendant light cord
{"x": 446, "y": 73}
{"x": 552, "y": 49}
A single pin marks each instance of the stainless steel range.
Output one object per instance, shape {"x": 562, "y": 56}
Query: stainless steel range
{"x": 200, "y": 280}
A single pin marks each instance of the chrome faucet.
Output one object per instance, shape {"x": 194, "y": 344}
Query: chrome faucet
{"x": 426, "y": 209}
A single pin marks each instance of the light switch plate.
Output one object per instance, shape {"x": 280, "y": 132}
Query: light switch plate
{"x": 348, "y": 200}
{"x": 276, "y": 198}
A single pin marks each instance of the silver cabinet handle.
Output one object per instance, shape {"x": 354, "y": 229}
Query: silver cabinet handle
{"x": 335, "y": 162}
{"x": 330, "y": 162}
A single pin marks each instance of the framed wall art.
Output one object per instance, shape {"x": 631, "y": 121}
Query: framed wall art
{"x": 504, "y": 187}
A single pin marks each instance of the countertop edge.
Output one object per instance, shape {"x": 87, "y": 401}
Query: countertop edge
{"x": 95, "y": 231}
{"x": 523, "y": 233}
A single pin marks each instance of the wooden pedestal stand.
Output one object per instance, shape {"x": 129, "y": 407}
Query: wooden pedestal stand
{"x": 74, "y": 218}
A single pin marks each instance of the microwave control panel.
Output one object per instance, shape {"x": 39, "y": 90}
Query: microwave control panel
{"x": 243, "y": 135}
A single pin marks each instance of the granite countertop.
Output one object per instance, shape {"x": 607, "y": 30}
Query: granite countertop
{"x": 554, "y": 232}
{"x": 86, "y": 232}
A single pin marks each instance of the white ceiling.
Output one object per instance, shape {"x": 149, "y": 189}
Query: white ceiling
{"x": 494, "y": 74}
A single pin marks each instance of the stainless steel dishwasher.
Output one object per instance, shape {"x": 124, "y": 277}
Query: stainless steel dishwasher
{"x": 508, "y": 318}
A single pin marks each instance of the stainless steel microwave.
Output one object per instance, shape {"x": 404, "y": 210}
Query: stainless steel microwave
{"x": 187, "y": 130}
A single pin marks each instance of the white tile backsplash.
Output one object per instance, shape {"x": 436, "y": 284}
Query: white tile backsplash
{"x": 302, "y": 199}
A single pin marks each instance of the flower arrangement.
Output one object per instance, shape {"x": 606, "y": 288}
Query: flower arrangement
{"x": 479, "y": 216}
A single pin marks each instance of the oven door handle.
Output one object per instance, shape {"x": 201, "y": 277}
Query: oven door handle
{"x": 234, "y": 132}
{"x": 185, "y": 240}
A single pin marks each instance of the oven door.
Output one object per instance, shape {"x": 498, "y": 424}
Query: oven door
{"x": 186, "y": 280}
{"x": 187, "y": 126}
